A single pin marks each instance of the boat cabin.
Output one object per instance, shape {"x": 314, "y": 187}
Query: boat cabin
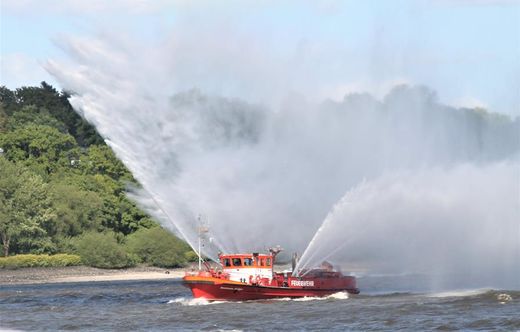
{"x": 248, "y": 268}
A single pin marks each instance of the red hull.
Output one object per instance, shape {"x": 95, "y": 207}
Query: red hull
{"x": 221, "y": 290}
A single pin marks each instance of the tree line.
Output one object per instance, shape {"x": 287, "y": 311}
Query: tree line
{"x": 62, "y": 188}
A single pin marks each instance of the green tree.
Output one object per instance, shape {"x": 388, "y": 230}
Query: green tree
{"x": 34, "y": 115}
{"x": 9, "y": 226}
{"x": 26, "y": 210}
{"x": 103, "y": 250}
{"x": 158, "y": 247}
{"x": 47, "y": 97}
{"x": 33, "y": 211}
{"x": 41, "y": 147}
{"x": 76, "y": 210}
{"x": 102, "y": 160}
{"x": 117, "y": 213}
{"x": 3, "y": 119}
{"x": 8, "y": 100}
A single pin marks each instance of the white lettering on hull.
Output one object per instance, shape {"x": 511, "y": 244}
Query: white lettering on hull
{"x": 302, "y": 283}
{"x": 231, "y": 288}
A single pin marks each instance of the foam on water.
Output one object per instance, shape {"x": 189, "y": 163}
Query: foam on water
{"x": 461, "y": 293}
{"x": 202, "y": 301}
{"x": 339, "y": 296}
{"x": 335, "y": 296}
{"x": 193, "y": 301}
{"x": 282, "y": 299}
{"x": 504, "y": 298}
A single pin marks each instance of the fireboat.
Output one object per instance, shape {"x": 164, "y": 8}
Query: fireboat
{"x": 251, "y": 276}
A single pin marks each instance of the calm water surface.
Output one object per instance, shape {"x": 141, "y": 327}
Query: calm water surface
{"x": 167, "y": 305}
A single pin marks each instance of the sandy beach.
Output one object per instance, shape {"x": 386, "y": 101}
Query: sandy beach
{"x": 84, "y": 274}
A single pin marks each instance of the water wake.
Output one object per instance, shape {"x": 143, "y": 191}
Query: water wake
{"x": 461, "y": 293}
{"x": 193, "y": 301}
{"x": 335, "y": 296}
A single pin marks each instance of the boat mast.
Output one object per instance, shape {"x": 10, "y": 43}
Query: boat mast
{"x": 201, "y": 229}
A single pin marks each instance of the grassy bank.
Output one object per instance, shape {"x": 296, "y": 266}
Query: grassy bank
{"x": 24, "y": 261}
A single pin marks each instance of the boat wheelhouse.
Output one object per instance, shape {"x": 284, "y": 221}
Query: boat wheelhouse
{"x": 251, "y": 268}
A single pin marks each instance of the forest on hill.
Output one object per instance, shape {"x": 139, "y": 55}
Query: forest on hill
{"x": 62, "y": 189}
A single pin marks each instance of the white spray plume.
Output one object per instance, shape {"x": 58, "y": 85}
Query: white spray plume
{"x": 461, "y": 222}
{"x": 263, "y": 175}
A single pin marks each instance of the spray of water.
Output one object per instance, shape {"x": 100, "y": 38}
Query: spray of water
{"x": 463, "y": 222}
{"x": 263, "y": 174}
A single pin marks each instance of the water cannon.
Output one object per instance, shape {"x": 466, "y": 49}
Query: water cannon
{"x": 294, "y": 261}
{"x": 276, "y": 250}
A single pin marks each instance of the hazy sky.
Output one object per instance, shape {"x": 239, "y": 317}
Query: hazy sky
{"x": 467, "y": 51}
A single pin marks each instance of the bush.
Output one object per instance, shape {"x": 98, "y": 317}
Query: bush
{"x": 158, "y": 247}
{"x": 191, "y": 256}
{"x": 19, "y": 261}
{"x": 102, "y": 250}
{"x": 65, "y": 260}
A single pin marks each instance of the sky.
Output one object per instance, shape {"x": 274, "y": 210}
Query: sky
{"x": 466, "y": 51}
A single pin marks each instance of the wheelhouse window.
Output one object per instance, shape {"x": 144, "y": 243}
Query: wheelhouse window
{"x": 262, "y": 261}
{"x": 248, "y": 262}
{"x": 237, "y": 262}
{"x": 226, "y": 262}
{"x": 268, "y": 261}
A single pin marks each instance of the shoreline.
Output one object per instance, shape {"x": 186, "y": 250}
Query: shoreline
{"x": 50, "y": 275}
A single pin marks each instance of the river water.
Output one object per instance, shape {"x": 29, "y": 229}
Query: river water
{"x": 167, "y": 305}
